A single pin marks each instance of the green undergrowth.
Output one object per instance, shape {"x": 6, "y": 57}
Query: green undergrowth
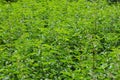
{"x": 59, "y": 40}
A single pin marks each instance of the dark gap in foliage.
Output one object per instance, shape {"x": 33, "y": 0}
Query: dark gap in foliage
{"x": 46, "y": 24}
{"x": 72, "y": 0}
{"x": 110, "y": 2}
{"x": 73, "y": 68}
{"x": 113, "y": 1}
{"x": 75, "y": 59}
{"x": 15, "y": 76}
{"x": 11, "y": 0}
{"x": 2, "y": 42}
{"x": 88, "y": 0}
{"x": 45, "y": 19}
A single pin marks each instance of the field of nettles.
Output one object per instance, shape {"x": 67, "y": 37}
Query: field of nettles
{"x": 59, "y": 40}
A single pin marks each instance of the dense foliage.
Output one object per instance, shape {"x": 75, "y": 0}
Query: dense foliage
{"x": 59, "y": 40}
